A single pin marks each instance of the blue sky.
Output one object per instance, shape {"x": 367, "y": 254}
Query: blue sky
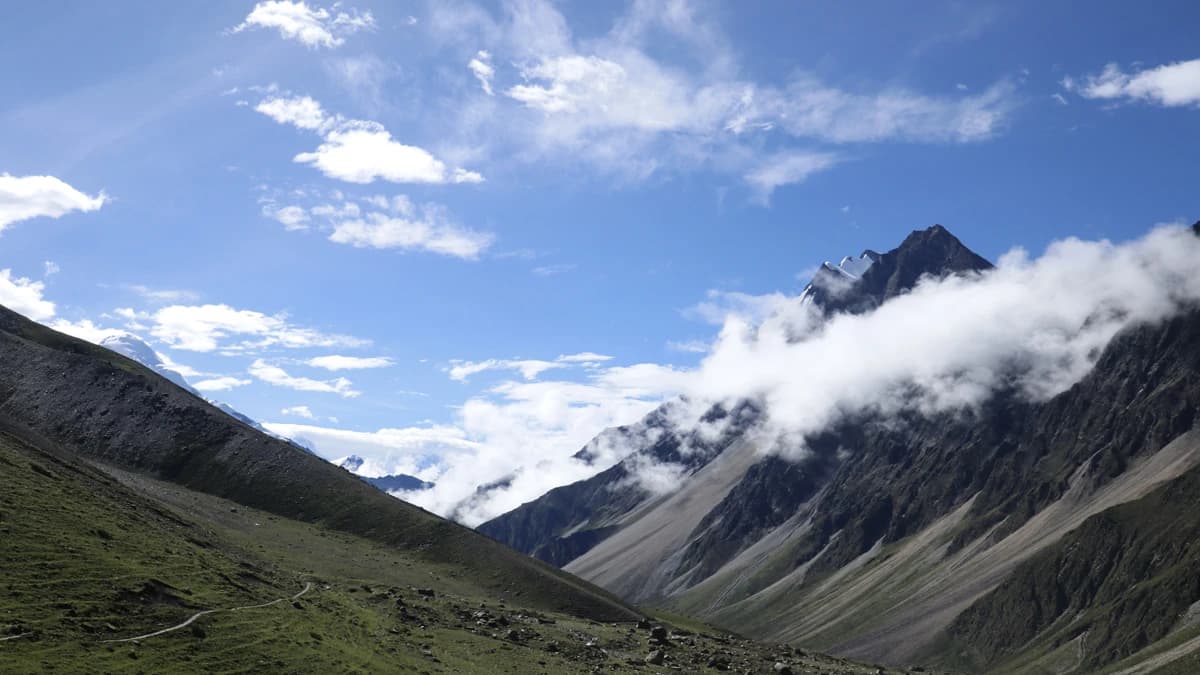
{"x": 523, "y": 220}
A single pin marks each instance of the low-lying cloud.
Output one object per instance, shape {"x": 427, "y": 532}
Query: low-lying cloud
{"x": 1033, "y": 324}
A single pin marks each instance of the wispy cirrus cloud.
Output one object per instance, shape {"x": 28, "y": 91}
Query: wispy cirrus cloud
{"x": 212, "y": 327}
{"x": 273, "y": 374}
{"x": 614, "y": 103}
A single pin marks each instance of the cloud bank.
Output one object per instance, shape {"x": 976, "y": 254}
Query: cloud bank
{"x": 1033, "y": 324}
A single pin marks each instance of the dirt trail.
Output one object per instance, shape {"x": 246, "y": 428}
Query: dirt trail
{"x": 197, "y": 615}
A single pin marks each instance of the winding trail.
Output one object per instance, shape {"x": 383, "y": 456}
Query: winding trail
{"x": 15, "y": 637}
{"x": 197, "y": 615}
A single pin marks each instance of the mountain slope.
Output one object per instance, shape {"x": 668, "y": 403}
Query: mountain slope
{"x": 112, "y": 410}
{"x": 570, "y": 520}
{"x": 919, "y": 538}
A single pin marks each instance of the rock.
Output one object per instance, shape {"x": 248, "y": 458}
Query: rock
{"x": 426, "y": 593}
{"x": 644, "y": 624}
{"x": 552, "y": 647}
{"x": 512, "y": 635}
{"x": 782, "y": 668}
{"x": 719, "y": 662}
{"x": 655, "y": 658}
{"x": 658, "y": 633}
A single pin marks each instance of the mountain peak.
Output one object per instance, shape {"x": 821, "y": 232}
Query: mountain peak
{"x": 1196, "y": 228}
{"x": 861, "y": 284}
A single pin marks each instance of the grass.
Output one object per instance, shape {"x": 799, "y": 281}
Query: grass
{"x": 94, "y": 555}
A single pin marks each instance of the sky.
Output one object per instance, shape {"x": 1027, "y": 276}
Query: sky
{"x": 460, "y": 239}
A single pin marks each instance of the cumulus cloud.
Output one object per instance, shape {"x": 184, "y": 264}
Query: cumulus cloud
{"x": 301, "y": 112}
{"x": 272, "y": 374}
{"x": 220, "y": 383}
{"x": 24, "y": 296}
{"x": 204, "y": 328}
{"x": 359, "y": 151}
{"x": 25, "y": 197}
{"x": 1173, "y": 84}
{"x": 337, "y": 362}
{"x": 314, "y": 27}
{"x": 85, "y": 329}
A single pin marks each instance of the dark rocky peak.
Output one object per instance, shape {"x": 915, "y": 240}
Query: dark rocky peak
{"x": 933, "y": 252}
{"x": 1196, "y": 228}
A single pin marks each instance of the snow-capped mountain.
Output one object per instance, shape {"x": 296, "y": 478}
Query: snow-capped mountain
{"x": 387, "y": 482}
{"x": 129, "y": 346}
{"x": 133, "y": 347}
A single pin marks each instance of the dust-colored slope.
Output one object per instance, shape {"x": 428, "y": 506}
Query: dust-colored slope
{"x": 638, "y": 561}
{"x": 892, "y": 602}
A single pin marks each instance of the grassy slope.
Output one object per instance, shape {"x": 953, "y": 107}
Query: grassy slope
{"x": 65, "y": 392}
{"x": 88, "y": 557}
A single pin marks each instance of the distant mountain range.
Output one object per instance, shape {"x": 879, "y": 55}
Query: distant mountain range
{"x": 1051, "y": 536}
{"x": 391, "y": 483}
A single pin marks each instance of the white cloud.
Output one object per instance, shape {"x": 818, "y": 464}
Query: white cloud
{"x": 338, "y": 362}
{"x": 162, "y": 294}
{"x": 1173, "y": 84}
{"x": 363, "y": 152}
{"x": 529, "y": 368}
{"x": 430, "y": 229}
{"x": 1037, "y": 325}
{"x": 220, "y": 384}
{"x": 311, "y": 26}
{"x": 481, "y": 67}
{"x": 787, "y": 168}
{"x": 277, "y": 376}
{"x": 720, "y": 305}
{"x": 293, "y": 217}
{"x": 203, "y": 328}
{"x": 612, "y": 103}
{"x": 301, "y": 112}
{"x": 85, "y": 329}
{"x": 522, "y": 430}
{"x": 25, "y": 197}
{"x": 359, "y": 151}
{"x": 583, "y": 357}
{"x": 389, "y": 450}
{"x": 24, "y": 296}
{"x": 50, "y": 268}
{"x": 299, "y": 411}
